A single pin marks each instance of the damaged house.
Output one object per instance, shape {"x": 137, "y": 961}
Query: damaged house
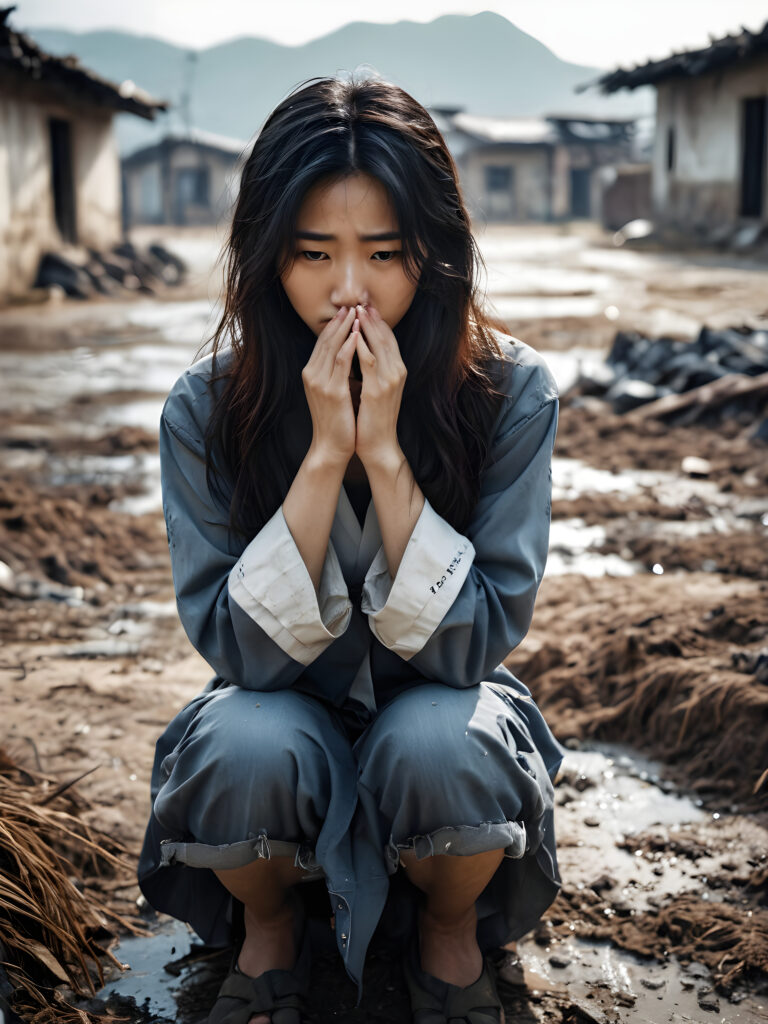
{"x": 533, "y": 168}
{"x": 710, "y": 172}
{"x": 59, "y": 165}
{"x": 186, "y": 178}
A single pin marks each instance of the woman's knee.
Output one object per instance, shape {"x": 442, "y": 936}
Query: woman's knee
{"x": 250, "y": 761}
{"x": 243, "y": 737}
{"x": 420, "y": 738}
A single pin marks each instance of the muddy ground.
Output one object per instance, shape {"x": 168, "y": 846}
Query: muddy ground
{"x": 648, "y": 652}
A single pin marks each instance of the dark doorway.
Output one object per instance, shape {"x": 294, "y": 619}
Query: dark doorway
{"x": 753, "y": 156}
{"x": 580, "y": 177}
{"x": 62, "y": 178}
{"x": 193, "y": 189}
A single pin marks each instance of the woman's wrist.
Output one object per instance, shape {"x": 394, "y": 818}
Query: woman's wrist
{"x": 384, "y": 463}
{"x": 322, "y": 460}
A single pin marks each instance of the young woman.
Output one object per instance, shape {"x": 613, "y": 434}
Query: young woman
{"x": 356, "y": 486}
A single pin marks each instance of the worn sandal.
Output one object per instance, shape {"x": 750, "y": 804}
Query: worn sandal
{"x": 277, "y": 993}
{"x": 434, "y": 1001}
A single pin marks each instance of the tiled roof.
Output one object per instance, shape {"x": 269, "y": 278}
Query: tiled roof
{"x": 22, "y": 57}
{"x": 688, "y": 64}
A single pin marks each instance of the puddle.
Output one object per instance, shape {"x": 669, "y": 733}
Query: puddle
{"x": 153, "y": 988}
{"x": 144, "y": 413}
{"x": 572, "y": 545}
{"x": 533, "y": 308}
{"x": 507, "y": 277}
{"x": 566, "y": 366}
{"x": 123, "y": 376}
{"x": 614, "y": 787}
{"x": 571, "y": 478}
{"x": 496, "y": 247}
{"x": 606, "y": 793}
{"x": 627, "y": 789}
{"x": 181, "y": 323}
{"x": 612, "y": 985}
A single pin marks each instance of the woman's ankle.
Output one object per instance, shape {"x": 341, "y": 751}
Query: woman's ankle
{"x": 448, "y": 949}
{"x": 270, "y": 942}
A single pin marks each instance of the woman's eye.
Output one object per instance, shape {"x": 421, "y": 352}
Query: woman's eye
{"x": 313, "y": 255}
{"x": 385, "y": 255}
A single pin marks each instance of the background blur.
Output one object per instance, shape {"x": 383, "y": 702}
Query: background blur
{"x": 614, "y": 161}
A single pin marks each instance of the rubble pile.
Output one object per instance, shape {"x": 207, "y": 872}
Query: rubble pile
{"x": 82, "y": 274}
{"x": 722, "y": 374}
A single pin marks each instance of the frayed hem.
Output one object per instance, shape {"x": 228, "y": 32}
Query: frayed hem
{"x": 462, "y": 841}
{"x": 237, "y": 855}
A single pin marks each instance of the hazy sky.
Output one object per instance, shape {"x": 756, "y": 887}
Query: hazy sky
{"x": 603, "y": 33}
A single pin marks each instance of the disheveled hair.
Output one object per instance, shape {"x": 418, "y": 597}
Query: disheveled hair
{"x": 328, "y": 129}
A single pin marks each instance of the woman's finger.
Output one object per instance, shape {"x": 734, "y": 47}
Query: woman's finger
{"x": 342, "y": 363}
{"x": 379, "y": 338}
{"x": 323, "y": 336}
{"x": 383, "y": 344}
{"x": 321, "y": 342}
{"x": 328, "y": 348}
{"x": 368, "y": 360}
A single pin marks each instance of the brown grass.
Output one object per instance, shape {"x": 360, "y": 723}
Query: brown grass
{"x": 54, "y": 928}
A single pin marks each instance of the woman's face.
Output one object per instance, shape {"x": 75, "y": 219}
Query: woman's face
{"x": 347, "y": 251}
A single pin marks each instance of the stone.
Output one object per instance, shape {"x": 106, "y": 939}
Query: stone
{"x": 692, "y": 465}
{"x": 697, "y": 969}
{"x": 630, "y": 393}
{"x": 653, "y": 983}
{"x": 707, "y": 1000}
{"x": 559, "y": 961}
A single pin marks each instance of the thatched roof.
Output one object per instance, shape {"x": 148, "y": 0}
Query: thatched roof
{"x": 721, "y": 53}
{"x": 22, "y": 59}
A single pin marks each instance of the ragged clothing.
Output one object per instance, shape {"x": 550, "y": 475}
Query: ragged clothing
{"x": 358, "y": 659}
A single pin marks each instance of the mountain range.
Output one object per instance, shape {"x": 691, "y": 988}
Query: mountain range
{"x": 482, "y": 63}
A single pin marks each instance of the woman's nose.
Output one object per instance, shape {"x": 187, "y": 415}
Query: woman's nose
{"x": 349, "y": 287}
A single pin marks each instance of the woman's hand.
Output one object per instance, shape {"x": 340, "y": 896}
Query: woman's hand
{"x": 384, "y": 376}
{"x": 326, "y": 385}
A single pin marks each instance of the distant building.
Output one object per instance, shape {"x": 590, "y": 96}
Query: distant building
{"x": 59, "y": 167}
{"x": 533, "y": 168}
{"x": 710, "y": 170}
{"x": 185, "y": 178}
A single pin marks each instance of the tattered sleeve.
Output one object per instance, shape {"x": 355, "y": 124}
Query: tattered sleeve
{"x": 253, "y": 612}
{"x": 460, "y": 602}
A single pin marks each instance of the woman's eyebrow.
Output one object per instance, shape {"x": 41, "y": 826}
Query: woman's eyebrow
{"x": 380, "y": 236}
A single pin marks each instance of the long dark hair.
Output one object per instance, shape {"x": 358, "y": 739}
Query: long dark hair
{"x": 330, "y": 128}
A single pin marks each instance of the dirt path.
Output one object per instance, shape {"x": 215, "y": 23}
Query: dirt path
{"x": 661, "y": 861}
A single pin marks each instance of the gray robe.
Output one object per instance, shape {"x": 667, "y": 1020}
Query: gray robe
{"x": 303, "y": 743}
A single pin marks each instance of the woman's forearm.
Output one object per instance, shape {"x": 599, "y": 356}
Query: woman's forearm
{"x": 309, "y": 508}
{"x": 398, "y": 501}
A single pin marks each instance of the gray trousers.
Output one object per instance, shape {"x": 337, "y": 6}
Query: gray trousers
{"x": 241, "y": 774}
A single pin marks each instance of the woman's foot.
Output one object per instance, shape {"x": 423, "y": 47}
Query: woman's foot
{"x": 449, "y": 950}
{"x": 268, "y": 945}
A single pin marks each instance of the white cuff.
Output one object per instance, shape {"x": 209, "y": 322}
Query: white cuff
{"x": 404, "y": 613}
{"x": 271, "y": 584}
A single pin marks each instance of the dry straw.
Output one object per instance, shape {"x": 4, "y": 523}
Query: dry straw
{"x": 53, "y": 927}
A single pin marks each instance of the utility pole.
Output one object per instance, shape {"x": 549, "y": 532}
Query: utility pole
{"x": 185, "y": 103}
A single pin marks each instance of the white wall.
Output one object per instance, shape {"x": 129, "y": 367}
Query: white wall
{"x": 704, "y": 187}
{"x": 27, "y": 221}
{"x": 531, "y": 176}
{"x": 26, "y": 204}
{"x": 97, "y": 182}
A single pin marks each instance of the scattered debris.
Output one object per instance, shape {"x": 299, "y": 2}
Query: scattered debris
{"x": 720, "y": 374}
{"x": 81, "y": 274}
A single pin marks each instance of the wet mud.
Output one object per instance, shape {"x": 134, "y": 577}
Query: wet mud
{"x": 649, "y": 641}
